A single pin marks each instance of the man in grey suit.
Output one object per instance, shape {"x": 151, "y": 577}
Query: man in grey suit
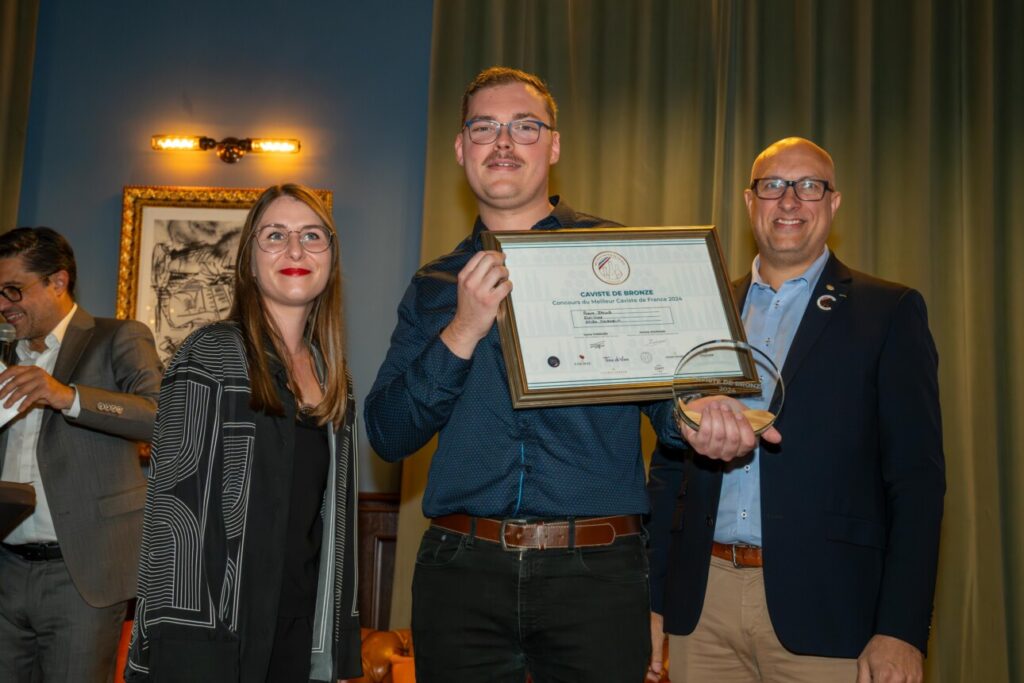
{"x": 87, "y": 389}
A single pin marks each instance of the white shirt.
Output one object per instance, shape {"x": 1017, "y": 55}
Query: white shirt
{"x": 20, "y": 461}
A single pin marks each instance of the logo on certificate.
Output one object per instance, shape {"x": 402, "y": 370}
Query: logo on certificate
{"x": 611, "y": 268}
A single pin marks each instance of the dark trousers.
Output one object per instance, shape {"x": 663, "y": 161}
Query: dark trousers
{"x": 47, "y": 631}
{"x": 484, "y": 614}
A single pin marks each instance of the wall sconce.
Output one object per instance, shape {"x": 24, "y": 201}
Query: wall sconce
{"x": 229, "y": 150}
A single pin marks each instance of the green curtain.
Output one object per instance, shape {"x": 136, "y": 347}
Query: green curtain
{"x": 17, "y": 48}
{"x": 664, "y": 106}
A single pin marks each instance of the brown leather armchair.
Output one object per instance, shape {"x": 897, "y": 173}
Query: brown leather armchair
{"x": 387, "y": 657}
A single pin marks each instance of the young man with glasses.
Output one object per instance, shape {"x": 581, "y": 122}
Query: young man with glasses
{"x": 535, "y": 558}
{"x": 87, "y": 389}
{"x": 813, "y": 559}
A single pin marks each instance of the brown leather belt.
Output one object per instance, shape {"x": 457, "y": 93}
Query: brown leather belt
{"x": 740, "y": 555}
{"x": 35, "y": 552}
{"x": 521, "y": 534}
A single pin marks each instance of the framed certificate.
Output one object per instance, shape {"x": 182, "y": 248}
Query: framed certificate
{"x": 603, "y": 315}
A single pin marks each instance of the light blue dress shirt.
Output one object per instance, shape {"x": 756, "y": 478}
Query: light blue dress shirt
{"x": 771, "y": 320}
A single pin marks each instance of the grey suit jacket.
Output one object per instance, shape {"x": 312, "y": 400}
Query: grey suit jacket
{"x": 89, "y": 465}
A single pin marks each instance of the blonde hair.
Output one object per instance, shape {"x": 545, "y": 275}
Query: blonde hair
{"x": 503, "y": 75}
{"x": 325, "y": 328}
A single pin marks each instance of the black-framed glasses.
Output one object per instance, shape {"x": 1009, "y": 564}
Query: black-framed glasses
{"x": 13, "y": 293}
{"x": 273, "y": 239}
{"x": 806, "y": 189}
{"x": 522, "y": 131}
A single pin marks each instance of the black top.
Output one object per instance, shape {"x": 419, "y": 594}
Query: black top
{"x": 310, "y": 462}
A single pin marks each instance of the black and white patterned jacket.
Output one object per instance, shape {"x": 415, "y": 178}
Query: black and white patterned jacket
{"x": 203, "y": 613}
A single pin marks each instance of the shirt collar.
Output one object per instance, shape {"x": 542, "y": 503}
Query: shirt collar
{"x": 560, "y": 217}
{"x": 808, "y": 277}
{"x": 54, "y": 339}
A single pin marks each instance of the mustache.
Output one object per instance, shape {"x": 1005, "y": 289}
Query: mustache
{"x": 502, "y": 156}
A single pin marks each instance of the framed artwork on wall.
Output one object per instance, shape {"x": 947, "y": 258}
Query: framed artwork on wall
{"x": 177, "y": 256}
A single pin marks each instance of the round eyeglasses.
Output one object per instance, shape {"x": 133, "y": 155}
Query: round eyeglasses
{"x": 522, "y": 131}
{"x": 273, "y": 239}
{"x": 806, "y": 189}
{"x": 13, "y": 293}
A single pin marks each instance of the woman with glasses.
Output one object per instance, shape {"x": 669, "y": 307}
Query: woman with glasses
{"x": 248, "y": 564}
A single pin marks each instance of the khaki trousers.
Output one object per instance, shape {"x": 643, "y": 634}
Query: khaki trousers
{"x": 734, "y": 641}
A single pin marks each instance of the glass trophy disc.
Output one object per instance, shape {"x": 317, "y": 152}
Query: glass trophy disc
{"x": 730, "y": 368}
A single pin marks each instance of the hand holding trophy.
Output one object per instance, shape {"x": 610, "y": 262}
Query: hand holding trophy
{"x": 731, "y": 368}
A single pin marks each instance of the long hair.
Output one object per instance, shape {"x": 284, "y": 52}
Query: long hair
{"x": 325, "y": 327}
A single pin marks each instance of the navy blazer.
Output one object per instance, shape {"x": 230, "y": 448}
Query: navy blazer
{"x": 851, "y": 500}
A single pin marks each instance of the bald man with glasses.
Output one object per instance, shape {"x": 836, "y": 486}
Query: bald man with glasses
{"x": 812, "y": 559}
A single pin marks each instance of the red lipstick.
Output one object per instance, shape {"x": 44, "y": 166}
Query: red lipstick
{"x": 294, "y": 271}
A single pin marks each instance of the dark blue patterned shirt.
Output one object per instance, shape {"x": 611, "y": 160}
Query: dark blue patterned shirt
{"x": 492, "y": 460}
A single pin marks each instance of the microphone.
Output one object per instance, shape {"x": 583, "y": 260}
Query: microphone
{"x": 8, "y": 339}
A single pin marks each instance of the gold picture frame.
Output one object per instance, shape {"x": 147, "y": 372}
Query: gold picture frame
{"x": 176, "y": 256}
{"x": 603, "y": 315}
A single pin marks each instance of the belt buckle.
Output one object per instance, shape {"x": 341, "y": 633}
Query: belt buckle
{"x": 522, "y": 521}
{"x": 743, "y": 546}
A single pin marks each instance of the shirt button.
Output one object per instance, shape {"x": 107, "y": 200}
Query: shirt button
{"x": 746, "y": 468}
{"x": 743, "y": 515}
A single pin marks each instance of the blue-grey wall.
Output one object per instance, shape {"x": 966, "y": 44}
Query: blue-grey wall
{"x": 347, "y": 78}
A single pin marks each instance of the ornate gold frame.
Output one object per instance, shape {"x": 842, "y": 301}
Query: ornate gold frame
{"x": 134, "y": 201}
